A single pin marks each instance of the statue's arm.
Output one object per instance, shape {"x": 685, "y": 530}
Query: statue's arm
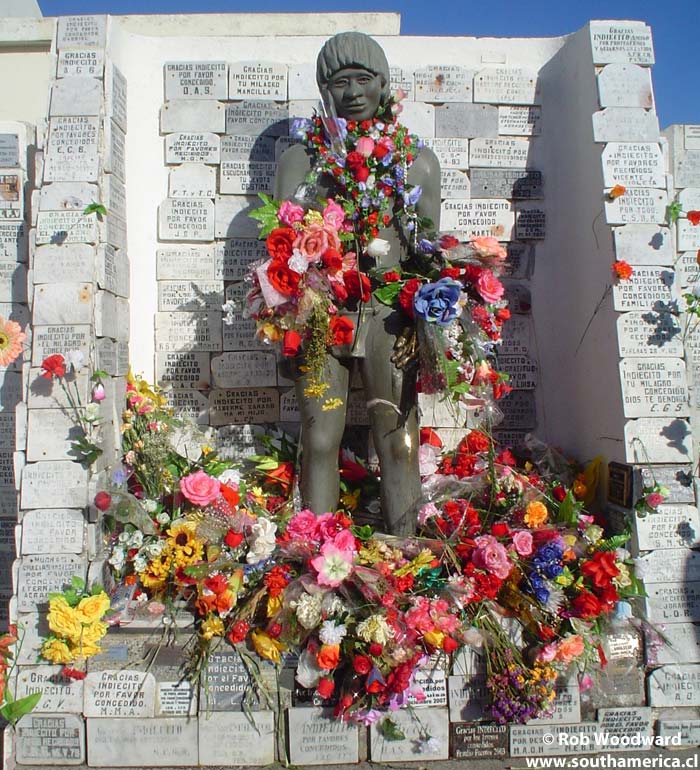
{"x": 292, "y": 168}
{"x": 425, "y": 171}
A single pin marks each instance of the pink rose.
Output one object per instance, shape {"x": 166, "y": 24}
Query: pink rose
{"x": 333, "y": 215}
{"x": 490, "y": 288}
{"x": 315, "y": 240}
{"x": 364, "y": 146}
{"x": 303, "y": 526}
{"x": 492, "y": 557}
{"x": 200, "y": 488}
{"x": 289, "y": 213}
{"x": 522, "y": 542}
{"x": 487, "y": 246}
{"x": 653, "y": 499}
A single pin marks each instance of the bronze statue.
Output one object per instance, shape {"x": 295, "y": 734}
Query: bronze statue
{"x": 353, "y": 76}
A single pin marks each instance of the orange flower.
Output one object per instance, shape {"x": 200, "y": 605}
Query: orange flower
{"x": 11, "y": 339}
{"x": 536, "y": 514}
{"x": 328, "y": 656}
{"x": 282, "y": 475}
{"x": 693, "y": 217}
{"x": 623, "y": 270}
{"x": 617, "y": 192}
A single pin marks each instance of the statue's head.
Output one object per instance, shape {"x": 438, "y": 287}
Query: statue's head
{"x": 352, "y": 69}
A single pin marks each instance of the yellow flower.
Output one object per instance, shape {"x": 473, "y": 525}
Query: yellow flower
{"x": 85, "y": 650}
{"x": 157, "y": 572}
{"x": 313, "y": 217}
{"x": 331, "y": 403}
{"x": 624, "y": 579}
{"x": 316, "y": 389}
{"x": 580, "y": 489}
{"x": 375, "y": 629}
{"x": 536, "y": 514}
{"x": 57, "y": 651}
{"x": 92, "y": 608}
{"x": 212, "y": 626}
{"x": 270, "y": 331}
{"x": 92, "y": 633}
{"x": 63, "y": 619}
{"x": 274, "y": 605}
{"x": 434, "y": 638}
{"x": 184, "y": 544}
{"x": 266, "y": 646}
{"x": 350, "y": 500}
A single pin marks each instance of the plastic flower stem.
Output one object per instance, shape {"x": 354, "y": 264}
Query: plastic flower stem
{"x": 608, "y": 288}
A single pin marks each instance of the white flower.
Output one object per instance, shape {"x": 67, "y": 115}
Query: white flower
{"x": 593, "y": 533}
{"x": 375, "y": 629}
{"x": 230, "y": 476}
{"x": 429, "y": 745}
{"x": 331, "y": 633}
{"x": 308, "y": 671}
{"x": 162, "y": 518}
{"x": 136, "y": 539}
{"x": 75, "y": 358}
{"x": 117, "y": 558}
{"x": 154, "y": 549}
{"x": 124, "y": 537}
{"x": 263, "y": 540}
{"x": 92, "y": 412}
{"x": 308, "y": 610}
{"x": 298, "y": 262}
{"x": 378, "y": 248}
{"x": 140, "y": 562}
{"x": 149, "y": 505}
{"x": 229, "y": 307}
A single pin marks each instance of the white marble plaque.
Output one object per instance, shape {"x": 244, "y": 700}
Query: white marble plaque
{"x": 190, "y": 295}
{"x": 240, "y": 335}
{"x": 188, "y": 331}
{"x": 113, "y": 271}
{"x": 195, "y": 80}
{"x": 192, "y": 180}
{"x": 671, "y": 526}
{"x": 192, "y": 115}
{"x": 62, "y": 196}
{"x": 13, "y": 241}
{"x": 673, "y": 602}
{"x": 258, "y": 80}
{"x": 522, "y": 371}
{"x": 679, "y": 733}
{"x": 244, "y": 370}
{"x": 639, "y": 205}
{"x": 78, "y": 31}
{"x": 566, "y": 706}
{"x": 192, "y": 147}
{"x": 243, "y": 177}
{"x": 625, "y": 124}
{"x": 687, "y": 272}
{"x": 175, "y": 699}
{"x": 691, "y": 137}
{"x": 690, "y": 198}
{"x": 13, "y": 282}
{"x": 501, "y": 152}
{"x": 9, "y": 150}
{"x": 649, "y": 288}
{"x": 546, "y": 740}
{"x": 253, "y": 117}
{"x": 59, "y": 339}
{"x": 506, "y": 85}
{"x": 73, "y": 149}
{"x": 50, "y": 739}
{"x": 186, "y": 262}
{"x": 63, "y": 303}
{"x": 443, "y": 83}
{"x": 530, "y": 221}
{"x": 317, "y": 738}
{"x": 76, "y": 96}
{"x": 420, "y": 118}
{"x": 492, "y": 217}
{"x": 621, "y": 41}
{"x": 282, "y": 144}
{"x": 657, "y": 440}
{"x": 668, "y": 565}
{"x": 236, "y": 256}
{"x": 116, "y": 89}
{"x": 625, "y": 727}
{"x": 244, "y": 405}
{"x": 649, "y": 334}
{"x": 53, "y": 531}
{"x": 644, "y": 245}
{"x": 183, "y": 370}
{"x": 260, "y": 149}
{"x": 413, "y": 747}
{"x": 59, "y": 693}
{"x": 625, "y": 85}
{"x": 506, "y": 183}
{"x": 190, "y": 405}
{"x": 451, "y": 153}
{"x": 651, "y": 388}
{"x": 63, "y": 227}
{"x": 399, "y": 78}
{"x": 302, "y": 81}
{"x": 468, "y": 697}
{"x": 633, "y": 164}
{"x": 186, "y": 219}
{"x": 245, "y": 744}
{"x": 289, "y": 408}
{"x": 11, "y": 195}
{"x": 519, "y": 121}
{"x": 686, "y": 168}
{"x": 159, "y": 742}
{"x": 688, "y": 235}
{"x": 680, "y": 644}
{"x": 517, "y": 337}
{"x": 54, "y": 484}
{"x": 677, "y": 686}
{"x": 43, "y": 574}
{"x": 115, "y": 158}
{"x": 119, "y": 694}
{"x": 232, "y": 216}
{"x": 429, "y": 688}
{"x": 454, "y": 183}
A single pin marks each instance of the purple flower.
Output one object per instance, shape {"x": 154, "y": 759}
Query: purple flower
{"x": 411, "y": 197}
{"x": 426, "y": 246}
{"x": 300, "y": 127}
{"x": 438, "y": 302}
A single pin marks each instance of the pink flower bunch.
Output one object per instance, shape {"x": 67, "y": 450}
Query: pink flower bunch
{"x": 200, "y": 488}
{"x": 492, "y": 557}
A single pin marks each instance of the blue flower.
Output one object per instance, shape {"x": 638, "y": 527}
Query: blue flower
{"x": 300, "y": 127}
{"x": 387, "y": 159}
{"x": 411, "y": 197}
{"x": 553, "y": 569}
{"x": 426, "y": 246}
{"x": 437, "y": 302}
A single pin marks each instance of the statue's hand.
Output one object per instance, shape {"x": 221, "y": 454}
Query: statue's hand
{"x": 405, "y": 348}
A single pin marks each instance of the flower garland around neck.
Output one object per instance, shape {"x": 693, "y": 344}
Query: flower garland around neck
{"x": 369, "y": 161}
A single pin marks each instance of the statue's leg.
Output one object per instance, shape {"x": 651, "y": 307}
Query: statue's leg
{"x": 395, "y": 432}
{"x": 320, "y": 438}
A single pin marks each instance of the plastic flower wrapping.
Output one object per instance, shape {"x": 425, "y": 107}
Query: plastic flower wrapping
{"x": 506, "y": 563}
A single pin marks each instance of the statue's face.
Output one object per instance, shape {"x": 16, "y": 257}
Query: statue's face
{"x": 356, "y": 93}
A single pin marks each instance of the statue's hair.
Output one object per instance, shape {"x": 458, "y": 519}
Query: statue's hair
{"x": 352, "y": 49}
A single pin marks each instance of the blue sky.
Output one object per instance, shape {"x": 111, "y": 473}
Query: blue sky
{"x": 675, "y": 25}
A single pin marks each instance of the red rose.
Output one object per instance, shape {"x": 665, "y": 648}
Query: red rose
{"x": 380, "y": 150}
{"x": 291, "y": 344}
{"x": 449, "y": 645}
{"x": 430, "y": 437}
{"x": 365, "y": 125}
{"x": 355, "y": 283}
{"x": 238, "y": 632}
{"x": 601, "y": 568}
{"x": 585, "y": 606}
{"x": 354, "y": 160}
{"x": 362, "y": 174}
{"x": 332, "y": 260}
{"x": 391, "y": 276}
{"x": 280, "y": 243}
{"x": 448, "y": 242}
{"x": 342, "y": 329}
{"x": 233, "y": 539}
{"x": 559, "y": 493}
{"x": 362, "y": 664}
{"x": 217, "y": 584}
{"x": 406, "y": 295}
{"x": 476, "y": 441}
{"x": 693, "y": 217}
{"x": 325, "y": 688}
{"x": 375, "y": 649}
{"x": 103, "y": 500}
{"x": 53, "y": 366}
{"x": 352, "y": 471}
{"x": 451, "y": 272}
{"x": 282, "y": 278}
{"x": 500, "y": 529}
{"x": 502, "y": 314}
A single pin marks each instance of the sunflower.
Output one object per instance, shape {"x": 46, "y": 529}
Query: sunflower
{"x": 157, "y": 572}
{"x": 11, "y": 339}
{"x": 183, "y": 543}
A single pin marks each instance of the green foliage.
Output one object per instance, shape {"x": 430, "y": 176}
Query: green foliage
{"x": 569, "y": 510}
{"x": 388, "y": 293}
{"x": 95, "y": 208}
{"x": 391, "y": 731}
{"x": 614, "y": 542}
{"x": 266, "y": 215}
{"x": 673, "y": 211}
{"x": 13, "y": 710}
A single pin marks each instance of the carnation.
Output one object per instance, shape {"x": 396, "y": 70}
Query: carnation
{"x": 332, "y": 633}
{"x": 308, "y": 610}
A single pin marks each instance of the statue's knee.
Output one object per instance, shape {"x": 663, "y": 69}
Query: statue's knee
{"x": 322, "y": 445}
{"x": 398, "y": 449}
